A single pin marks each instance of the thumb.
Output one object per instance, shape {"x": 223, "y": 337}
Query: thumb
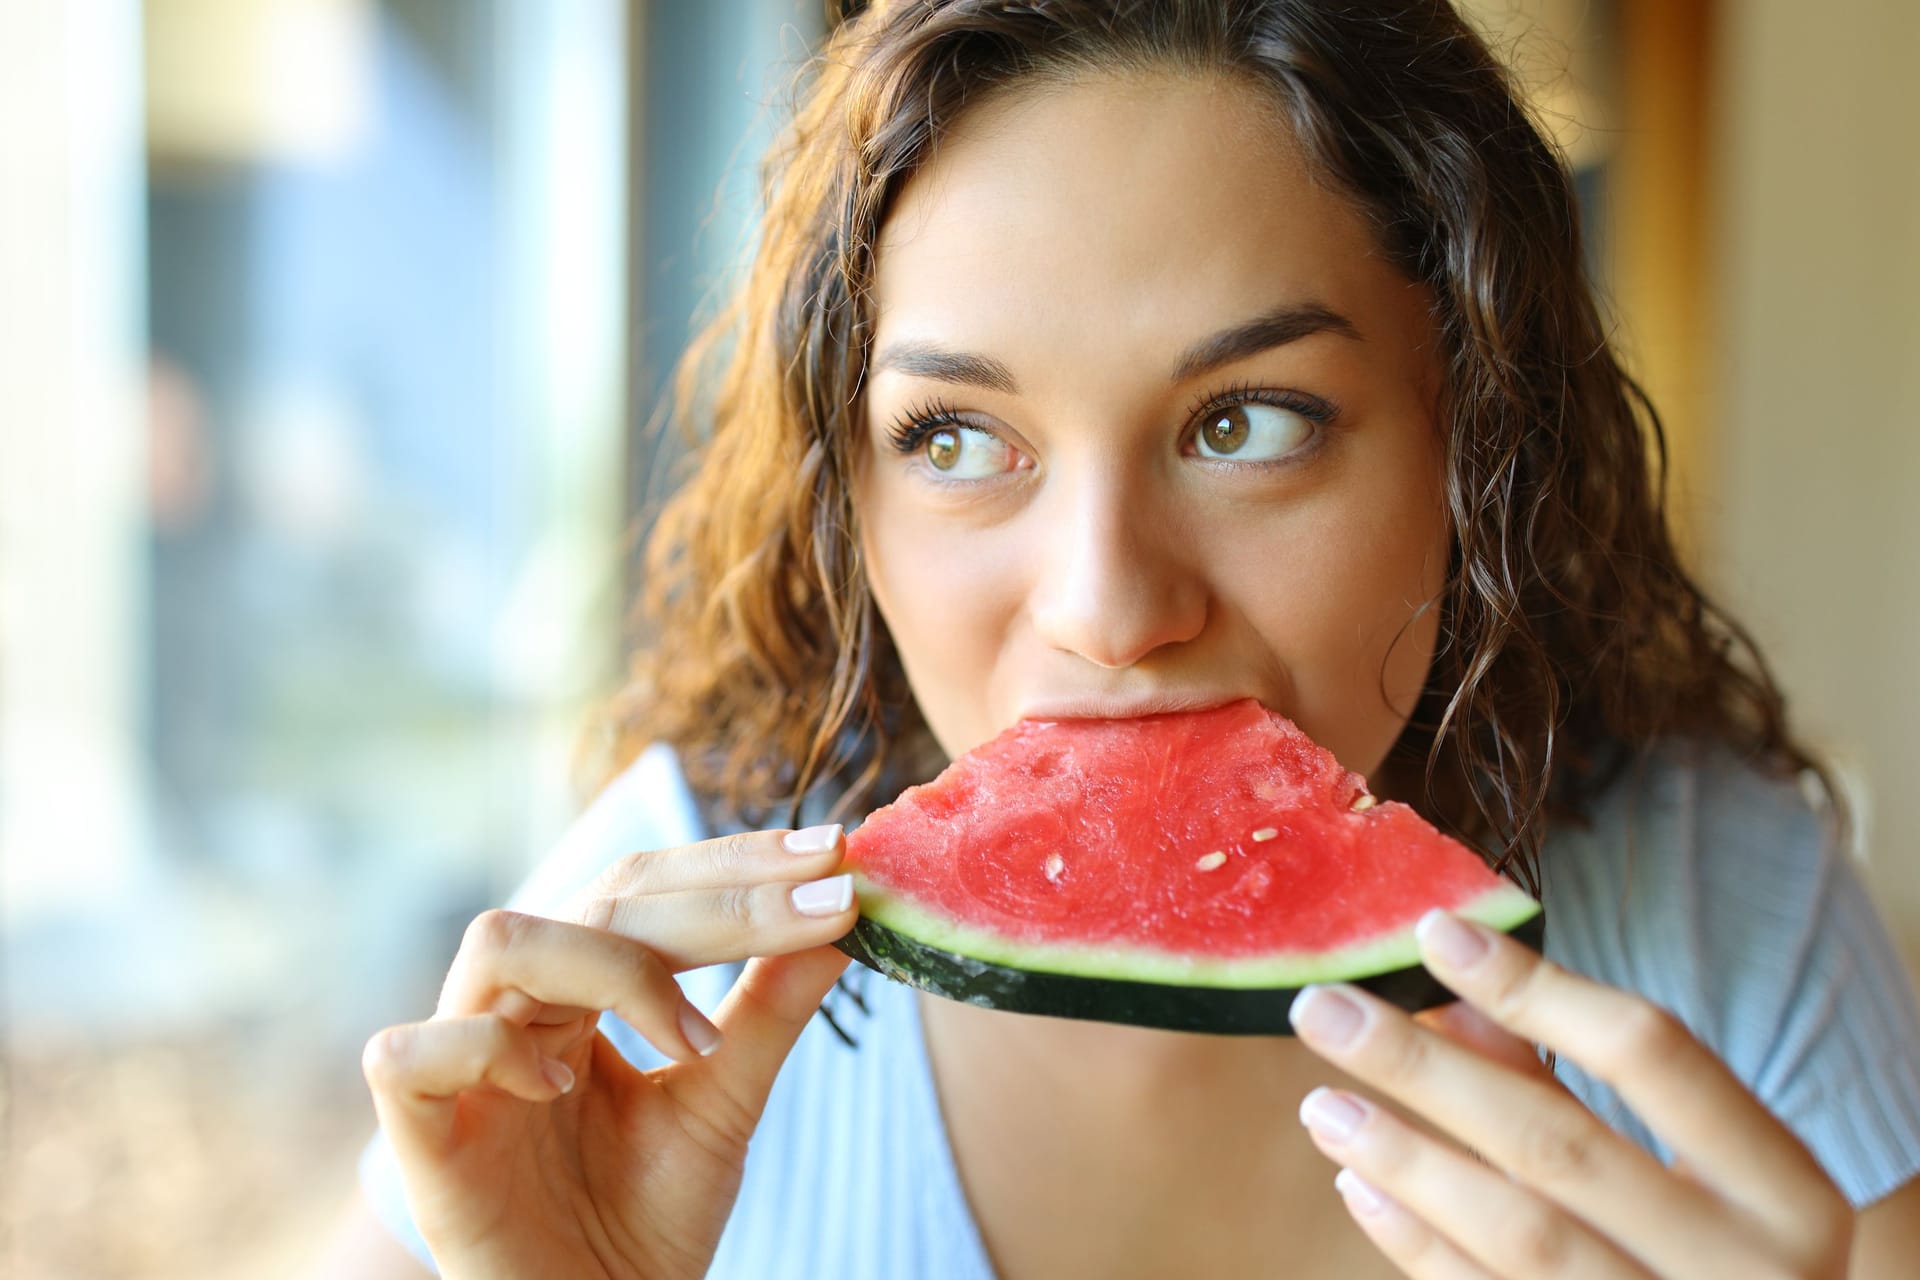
{"x": 760, "y": 1019}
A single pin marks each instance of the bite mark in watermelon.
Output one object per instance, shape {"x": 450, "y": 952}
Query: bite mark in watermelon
{"x": 1189, "y": 871}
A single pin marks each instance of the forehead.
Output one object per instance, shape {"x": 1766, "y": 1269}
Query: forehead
{"x": 1124, "y": 212}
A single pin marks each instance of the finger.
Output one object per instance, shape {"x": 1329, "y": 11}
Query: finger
{"x": 417, "y": 1072}
{"x": 691, "y": 929}
{"x": 1501, "y": 1225}
{"x": 725, "y": 862}
{"x": 749, "y": 857}
{"x": 1410, "y": 1244}
{"x": 511, "y": 962}
{"x": 713, "y": 926}
{"x": 1671, "y": 1081}
{"x": 1471, "y": 1029}
{"x": 1527, "y": 1126}
{"x": 1467, "y": 1027}
{"x": 762, "y": 1016}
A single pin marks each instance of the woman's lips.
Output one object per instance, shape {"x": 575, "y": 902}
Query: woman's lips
{"x": 1122, "y": 708}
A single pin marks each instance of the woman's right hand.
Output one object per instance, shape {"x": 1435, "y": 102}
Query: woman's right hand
{"x": 528, "y": 1146}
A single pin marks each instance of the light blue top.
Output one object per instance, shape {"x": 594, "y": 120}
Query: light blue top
{"x": 1705, "y": 887}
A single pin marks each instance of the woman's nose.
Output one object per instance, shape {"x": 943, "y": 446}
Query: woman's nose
{"x": 1115, "y": 579}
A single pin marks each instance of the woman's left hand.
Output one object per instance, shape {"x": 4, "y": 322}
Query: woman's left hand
{"x": 1556, "y": 1192}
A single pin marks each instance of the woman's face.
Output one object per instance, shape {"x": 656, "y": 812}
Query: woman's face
{"x": 1148, "y": 425}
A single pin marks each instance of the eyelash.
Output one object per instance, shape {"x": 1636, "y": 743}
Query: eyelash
{"x": 910, "y": 430}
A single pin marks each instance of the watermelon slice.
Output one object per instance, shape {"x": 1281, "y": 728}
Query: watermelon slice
{"x": 1188, "y": 871}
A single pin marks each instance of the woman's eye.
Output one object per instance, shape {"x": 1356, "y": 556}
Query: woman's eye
{"x": 967, "y": 453}
{"x": 1252, "y": 432}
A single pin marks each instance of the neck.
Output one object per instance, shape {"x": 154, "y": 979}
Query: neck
{"x": 1114, "y": 1066}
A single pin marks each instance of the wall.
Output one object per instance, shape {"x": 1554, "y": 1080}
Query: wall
{"x": 1818, "y": 446}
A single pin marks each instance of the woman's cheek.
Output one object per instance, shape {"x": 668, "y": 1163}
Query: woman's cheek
{"x": 948, "y": 601}
{"x": 1342, "y": 616}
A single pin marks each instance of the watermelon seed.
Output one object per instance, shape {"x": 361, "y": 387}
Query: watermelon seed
{"x": 1265, "y": 833}
{"x": 1056, "y": 866}
{"x": 1212, "y": 860}
{"x": 1364, "y": 803}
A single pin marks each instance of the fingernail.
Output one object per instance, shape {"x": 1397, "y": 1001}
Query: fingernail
{"x": 1452, "y": 941}
{"x": 701, "y": 1034}
{"x": 558, "y": 1074}
{"x": 1327, "y": 1015}
{"x": 1357, "y": 1193}
{"x": 812, "y": 839}
{"x": 1332, "y": 1115}
{"x": 827, "y": 897}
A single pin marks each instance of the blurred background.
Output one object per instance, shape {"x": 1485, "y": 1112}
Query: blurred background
{"x": 329, "y": 330}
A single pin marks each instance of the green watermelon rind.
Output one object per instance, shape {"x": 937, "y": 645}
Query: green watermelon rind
{"x": 1208, "y": 1010}
{"x": 1501, "y": 906}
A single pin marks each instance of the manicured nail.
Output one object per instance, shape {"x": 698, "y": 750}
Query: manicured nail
{"x": 1328, "y": 1015}
{"x": 812, "y": 839}
{"x": 1332, "y": 1115}
{"x": 701, "y": 1034}
{"x": 1357, "y": 1193}
{"x": 827, "y": 897}
{"x": 1452, "y": 941}
{"x": 558, "y": 1074}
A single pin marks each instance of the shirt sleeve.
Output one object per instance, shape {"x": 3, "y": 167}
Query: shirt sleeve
{"x": 1721, "y": 895}
{"x": 646, "y": 807}
{"x": 1842, "y": 1065}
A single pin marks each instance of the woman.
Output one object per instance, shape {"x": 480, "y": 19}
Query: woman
{"x": 1105, "y": 358}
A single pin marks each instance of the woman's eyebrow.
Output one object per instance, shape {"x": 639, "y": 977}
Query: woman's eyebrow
{"x": 926, "y": 360}
{"x": 1286, "y": 323}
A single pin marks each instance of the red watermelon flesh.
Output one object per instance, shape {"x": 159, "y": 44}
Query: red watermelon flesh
{"x": 1216, "y": 848}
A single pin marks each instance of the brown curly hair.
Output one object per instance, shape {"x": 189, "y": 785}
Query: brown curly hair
{"x": 1570, "y": 633}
